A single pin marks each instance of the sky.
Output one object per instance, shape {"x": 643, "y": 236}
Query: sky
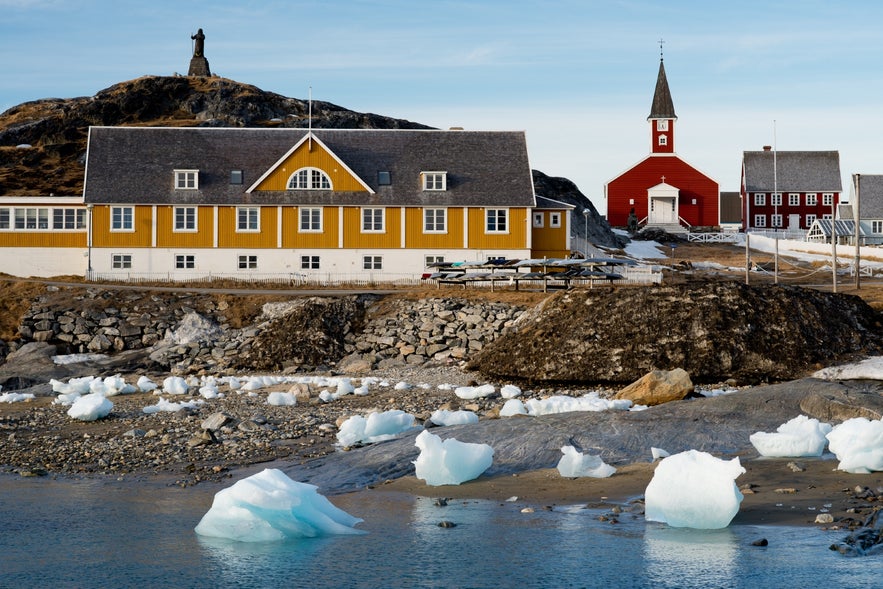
{"x": 576, "y": 75}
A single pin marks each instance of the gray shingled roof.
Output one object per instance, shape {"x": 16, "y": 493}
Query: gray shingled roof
{"x": 871, "y": 196}
{"x": 136, "y": 164}
{"x": 662, "y": 107}
{"x": 794, "y": 171}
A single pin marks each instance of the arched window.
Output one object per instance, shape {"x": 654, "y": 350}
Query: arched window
{"x": 309, "y": 179}
{"x": 663, "y": 140}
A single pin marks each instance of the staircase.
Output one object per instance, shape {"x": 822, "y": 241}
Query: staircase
{"x": 672, "y": 228}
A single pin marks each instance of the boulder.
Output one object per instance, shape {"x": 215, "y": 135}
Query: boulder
{"x": 658, "y": 387}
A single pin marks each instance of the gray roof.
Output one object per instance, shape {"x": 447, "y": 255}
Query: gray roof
{"x": 842, "y": 228}
{"x": 136, "y": 164}
{"x": 870, "y": 196}
{"x": 793, "y": 171}
{"x": 550, "y": 203}
{"x": 662, "y": 107}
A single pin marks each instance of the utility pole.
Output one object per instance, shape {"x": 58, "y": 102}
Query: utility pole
{"x": 856, "y": 216}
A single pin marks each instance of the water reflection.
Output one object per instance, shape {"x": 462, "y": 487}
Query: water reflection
{"x": 683, "y": 557}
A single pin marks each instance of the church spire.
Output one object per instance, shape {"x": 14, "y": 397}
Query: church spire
{"x": 662, "y": 107}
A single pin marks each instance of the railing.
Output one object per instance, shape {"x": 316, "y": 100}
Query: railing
{"x": 714, "y": 237}
{"x": 794, "y": 234}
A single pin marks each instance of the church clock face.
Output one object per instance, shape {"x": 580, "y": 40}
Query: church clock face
{"x": 662, "y": 125}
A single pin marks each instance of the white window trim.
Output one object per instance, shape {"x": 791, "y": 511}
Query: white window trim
{"x": 487, "y": 212}
{"x": 538, "y": 220}
{"x": 375, "y": 259}
{"x": 184, "y": 175}
{"x": 382, "y": 219}
{"x": 760, "y": 199}
{"x": 248, "y": 229}
{"x": 663, "y": 140}
{"x": 812, "y": 199}
{"x": 776, "y": 220}
{"x": 444, "y": 213}
{"x": 300, "y": 214}
{"x": 310, "y": 171}
{"x": 776, "y": 199}
{"x": 247, "y": 260}
{"x": 760, "y": 221}
{"x": 793, "y": 199}
{"x": 122, "y": 229}
{"x": 120, "y": 257}
{"x": 195, "y": 227}
{"x": 810, "y": 219}
{"x": 433, "y": 259}
{"x": 443, "y": 176}
{"x": 827, "y": 199}
{"x": 555, "y": 220}
{"x": 306, "y": 262}
{"x": 184, "y": 261}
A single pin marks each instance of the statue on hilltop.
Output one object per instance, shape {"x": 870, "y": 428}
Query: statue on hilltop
{"x": 199, "y": 45}
{"x": 198, "y": 63}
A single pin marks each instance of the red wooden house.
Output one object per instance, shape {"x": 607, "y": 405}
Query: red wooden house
{"x": 662, "y": 190}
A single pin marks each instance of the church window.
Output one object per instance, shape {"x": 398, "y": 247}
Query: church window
{"x": 309, "y": 179}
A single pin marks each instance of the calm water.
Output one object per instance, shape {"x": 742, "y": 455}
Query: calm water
{"x": 98, "y": 534}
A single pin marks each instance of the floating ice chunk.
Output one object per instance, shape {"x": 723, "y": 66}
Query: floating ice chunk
{"x": 564, "y": 404}
{"x": 576, "y": 464}
{"x": 90, "y": 407}
{"x": 444, "y": 417}
{"x": 145, "y": 385}
{"x": 858, "y": 445}
{"x": 658, "y": 453}
{"x": 281, "y": 399}
{"x": 170, "y": 407}
{"x": 510, "y": 391}
{"x": 269, "y": 507}
{"x": 513, "y": 407}
{"x": 450, "y": 462}
{"x": 801, "y": 436}
{"x": 15, "y": 397}
{"x": 175, "y": 385}
{"x": 485, "y": 390}
{"x": 694, "y": 490}
{"x": 374, "y": 428}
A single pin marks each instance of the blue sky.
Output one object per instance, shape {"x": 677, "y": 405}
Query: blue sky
{"x": 577, "y": 76}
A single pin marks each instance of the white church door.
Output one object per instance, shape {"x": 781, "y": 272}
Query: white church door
{"x": 662, "y": 211}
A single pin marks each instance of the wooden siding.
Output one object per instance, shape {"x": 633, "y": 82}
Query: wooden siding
{"x": 102, "y": 236}
{"x": 516, "y": 238}
{"x": 353, "y": 238}
{"x": 317, "y": 157}
{"x": 166, "y": 236}
{"x": 229, "y": 237}
{"x": 416, "y": 238}
{"x": 292, "y": 238}
{"x": 548, "y": 239}
{"x": 43, "y": 238}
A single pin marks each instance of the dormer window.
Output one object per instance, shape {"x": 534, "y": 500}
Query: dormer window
{"x": 435, "y": 180}
{"x": 187, "y": 179}
{"x": 309, "y": 179}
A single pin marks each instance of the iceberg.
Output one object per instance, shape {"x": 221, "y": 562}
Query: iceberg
{"x": 90, "y": 407}
{"x": 694, "y": 490}
{"x": 513, "y": 407}
{"x": 479, "y": 392}
{"x": 801, "y": 436}
{"x": 374, "y": 428}
{"x": 576, "y": 464}
{"x": 444, "y": 417}
{"x": 858, "y": 445}
{"x": 175, "y": 385}
{"x": 450, "y": 462}
{"x": 269, "y": 507}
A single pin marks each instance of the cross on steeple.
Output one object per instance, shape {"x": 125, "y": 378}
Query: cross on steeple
{"x": 663, "y": 179}
{"x": 660, "y": 49}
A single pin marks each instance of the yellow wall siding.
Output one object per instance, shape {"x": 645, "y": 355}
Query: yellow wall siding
{"x": 549, "y": 238}
{"x": 415, "y": 238}
{"x": 292, "y": 238}
{"x": 515, "y": 239}
{"x": 341, "y": 179}
{"x": 43, "y": 239}
{"x": 354, "y": 238}
{"x": 166, "y": 236}
{"x": 229, "y": 237}
{"x": 102, "y": 236}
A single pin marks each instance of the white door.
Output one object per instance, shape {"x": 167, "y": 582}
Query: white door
{"x": 662, "y": 211}
{"x": 793, "y": 221}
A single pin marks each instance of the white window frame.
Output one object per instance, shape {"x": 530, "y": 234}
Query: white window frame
{"x": 827, "y": 217}
{"x": 309, "y": 220}
{"x": 793, "y": 199}
{"x": 69, "y": 219}
{"x": 812, "y": 199}
{"x": 435, "y": 220}
{"x": 496, "y": 217}
{"x": 776, "y": 199}
{"x": 538, "y": 220}
{"x": 876, "y": 226}
{"x": 122, "y": 219}
{"x": 247, "y": 262}
{"x": 187, "y": 222}
{"x": 430, "y": 259}
{"x": 776, "y": 220}
{"x": 121, "y": 261}
{"x": 185, "y": 261}
{"x": 370, "y": 217}
{"x": 30, "y": 218}
{"x": 309, "y": 179}
{"x": 435, "y": 181}
{"x": 6, "y": 218}
{"x": 760, "y": 221}
{"x": 372, "y": 262}
{"x": 760, "y": 199}
{"x": 662, "y": 124}
{"x": 663, "y": 140}
{"x": 252, "y": 218}
{"x": 810, "y": 219}
{"x": 554, "y": 220}
{"x": 310, "y": 263}
{"x": 186, "y": 179}
{"x": 828, "y": 199}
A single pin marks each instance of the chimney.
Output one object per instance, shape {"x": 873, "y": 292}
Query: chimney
{"x": 767, "y": 147}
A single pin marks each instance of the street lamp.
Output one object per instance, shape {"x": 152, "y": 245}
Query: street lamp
{"x": 586, "y": 225}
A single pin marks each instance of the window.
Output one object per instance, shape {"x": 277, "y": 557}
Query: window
{"x": 810, "y": 219}
{"x": 69, "y": 218}
{"x": 495, "y": 221}
{"x": 812, "y": 200}
{"x": 185, "y": 218}
{"x": 435, "y": 180}
{"x": 428, "y": 260}
{"x": 828, "y": 199}
{"x": 5, "y": 218}
{"x": 372, "y": 262}
{"x": 309, "y": 262}
{"x": 372, "y": 220}
{"x": 120, "y": 261}
{"x": 663, "y": 140}
{"x": 309, "y": 179}
{"x": 236, "y": 177}
{"x": 186, "y": 179}
{"x": 759, "y": 199}
{"x": 876, "y": 226}
{"x": 122, "y": 218}
{"x": 776, "y": 199}
{"x": 310, "y": 219}
{"x": 248, "y": 262}
{"x": 826, "y": 217}
{"x": 248, "y": 219}
{"x": 554, "y": 219}
{"x": 760, "y": 220}
{"x": 538, "y": 220}
{"x": 435, "y": 220}
{"x": 31, "y": 218}
{"x": 185, "y": 261}
{"x": 794, "y": 199}
{"x": 776, "y": 220}
{"x": 384, "y": 178}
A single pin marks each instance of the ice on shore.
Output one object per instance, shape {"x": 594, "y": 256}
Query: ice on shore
{"x": 868, "y": 369}
{"x": 174, "y": 385}
{"x": 269, "y": 507}
{"x": 145, "y": 385}
{"x": 858, "y": 445}
{"x": 479, "y": 392}
{"x": 374, "y": 428}
{"x": 513, "y": 407}
{"x": 281, "y": 399}
{"x": 90, "y": 407}
{"x": 445, "y": 417}
{"x": 576, "y": 464}
{"x": 801, "y": 436}
{"x": 510, "y": 391}
{"x": 15, "y": 397}
{"x": 694, "y": 489}
{"x": 657, "y": 453}
{"x": 564, "y": 404}
{"x": 450, "y": 462}
{"x": 164, "y": 405}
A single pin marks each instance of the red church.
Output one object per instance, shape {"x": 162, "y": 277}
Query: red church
{"x": 662, "y": 190}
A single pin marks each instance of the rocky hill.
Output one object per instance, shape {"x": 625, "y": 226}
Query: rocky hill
{"x": 43, "y": 142}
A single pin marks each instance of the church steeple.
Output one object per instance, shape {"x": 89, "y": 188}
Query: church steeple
{"x": 662, "y": 114}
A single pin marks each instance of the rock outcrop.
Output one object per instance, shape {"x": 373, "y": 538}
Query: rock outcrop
{"x": 658, "y": 387}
